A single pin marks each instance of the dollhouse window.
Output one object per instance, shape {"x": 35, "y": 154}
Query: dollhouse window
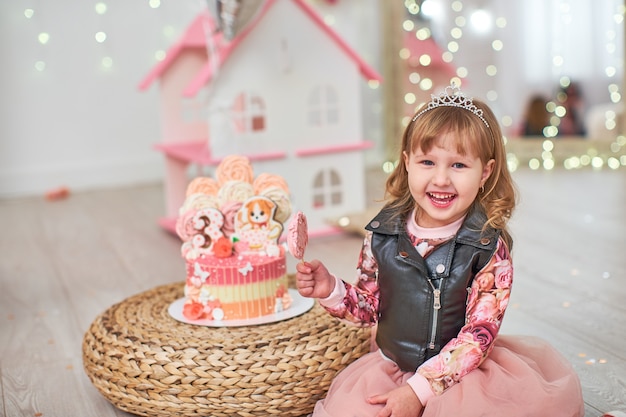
{"x": 327, "y": 189}
{"x": 323, "y": 106}
{"x": 248, "y": 113}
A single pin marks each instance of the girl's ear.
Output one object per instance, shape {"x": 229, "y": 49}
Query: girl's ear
{"x": 487, "y": 170}
{"x": 405, "y": 157}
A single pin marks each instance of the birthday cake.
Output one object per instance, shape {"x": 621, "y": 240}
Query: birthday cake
{"x": 230, "y": 226}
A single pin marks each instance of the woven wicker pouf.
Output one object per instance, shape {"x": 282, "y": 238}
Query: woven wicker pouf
{"x": 146, "y": 363}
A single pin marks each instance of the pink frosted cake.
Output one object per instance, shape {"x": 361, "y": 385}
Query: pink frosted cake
{"x": 230, "y": 226}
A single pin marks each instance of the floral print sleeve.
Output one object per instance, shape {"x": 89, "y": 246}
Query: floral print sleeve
{"x": 487, "y": 301}
{"x": 360, "y": 304}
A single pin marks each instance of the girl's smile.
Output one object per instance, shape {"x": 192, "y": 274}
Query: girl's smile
{"x": 441, "y": 200}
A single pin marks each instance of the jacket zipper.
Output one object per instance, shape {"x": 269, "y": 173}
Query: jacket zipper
{"x": 436, "y": 307}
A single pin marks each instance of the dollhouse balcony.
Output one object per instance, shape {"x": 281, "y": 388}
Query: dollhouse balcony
{"x": 197, "y": 152}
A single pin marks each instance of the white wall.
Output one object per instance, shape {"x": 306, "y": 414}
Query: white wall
{"x": 77, "y": 123}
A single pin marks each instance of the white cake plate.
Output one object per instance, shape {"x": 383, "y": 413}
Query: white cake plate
{"x": 299, "y": 305}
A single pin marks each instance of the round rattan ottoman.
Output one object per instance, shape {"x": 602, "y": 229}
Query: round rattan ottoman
{"x": 146, "y": 363}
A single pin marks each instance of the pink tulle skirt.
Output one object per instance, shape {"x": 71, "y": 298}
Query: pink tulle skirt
{"x": 523, "y": 376}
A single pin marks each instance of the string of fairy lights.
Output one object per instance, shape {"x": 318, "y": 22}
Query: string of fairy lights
{"x": 465, "y": 19}
{"x": 546, "y": 154}
{"x": 100, "y": 34}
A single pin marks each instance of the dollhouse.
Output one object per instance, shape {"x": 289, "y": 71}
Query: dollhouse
{"x": 284, "y": 91}
{"x": 434, "y": 68}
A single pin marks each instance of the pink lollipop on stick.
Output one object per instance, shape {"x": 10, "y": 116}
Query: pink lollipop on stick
{"x": 298, "y": 235}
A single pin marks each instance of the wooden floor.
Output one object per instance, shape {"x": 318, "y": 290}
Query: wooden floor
{"x": 62, "y": 263}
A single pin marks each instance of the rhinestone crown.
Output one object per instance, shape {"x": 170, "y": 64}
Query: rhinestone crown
{"x": 452, "y": 96}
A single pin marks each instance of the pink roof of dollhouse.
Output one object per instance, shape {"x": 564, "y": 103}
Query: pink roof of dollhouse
{"x": 195, "y": 36}
{"x": 419, "y": 47}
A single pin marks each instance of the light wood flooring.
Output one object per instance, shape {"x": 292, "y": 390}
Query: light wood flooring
{"x": 62, "y": 263}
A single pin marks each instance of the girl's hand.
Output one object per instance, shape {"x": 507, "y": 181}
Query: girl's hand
{"x": 400, "y": 402}
{"x": 313, "y": 279}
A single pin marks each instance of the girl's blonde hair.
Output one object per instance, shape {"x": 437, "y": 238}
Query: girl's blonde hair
{"x": 474, "y": 137}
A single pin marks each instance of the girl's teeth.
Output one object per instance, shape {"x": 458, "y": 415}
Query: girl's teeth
{"x": 441, "y": 196}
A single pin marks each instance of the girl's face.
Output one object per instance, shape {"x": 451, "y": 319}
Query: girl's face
{"x": 443, "y": 182}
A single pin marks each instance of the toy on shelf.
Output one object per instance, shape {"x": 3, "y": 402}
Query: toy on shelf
{"x": 265, "y": 90}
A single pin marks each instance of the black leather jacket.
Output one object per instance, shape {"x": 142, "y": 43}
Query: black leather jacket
{"x": 423, "y": 301}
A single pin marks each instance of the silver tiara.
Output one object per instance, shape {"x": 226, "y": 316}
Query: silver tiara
{"x": 452, "y": 96}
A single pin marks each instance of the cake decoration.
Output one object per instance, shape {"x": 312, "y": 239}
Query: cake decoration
{"x": 230, "y": 226}
{"x": 298, "y": 235}
{"x": 203, "y": 185}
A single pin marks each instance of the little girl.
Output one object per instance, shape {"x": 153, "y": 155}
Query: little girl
{"x": 434, "y": 276}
